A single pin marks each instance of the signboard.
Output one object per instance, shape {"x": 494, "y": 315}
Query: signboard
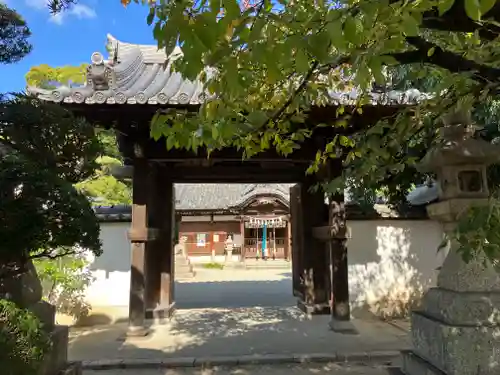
{"x": 201, "y": 239}
{"x": 269, "y": 223}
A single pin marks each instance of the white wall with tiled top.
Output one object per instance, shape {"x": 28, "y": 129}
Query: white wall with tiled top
{"x": 386, "y": 258}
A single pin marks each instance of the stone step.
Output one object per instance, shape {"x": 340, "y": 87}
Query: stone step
{"x": 251, "y": 264}
{"x": 183, "y": 268}
{"x": 267, "y": 263}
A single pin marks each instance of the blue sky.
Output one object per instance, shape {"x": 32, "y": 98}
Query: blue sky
{"x": 72, "y": 37}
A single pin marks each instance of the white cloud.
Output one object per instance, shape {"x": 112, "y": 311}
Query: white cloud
{"x": 80, "y": 11}
{"x": 37, "y": 4}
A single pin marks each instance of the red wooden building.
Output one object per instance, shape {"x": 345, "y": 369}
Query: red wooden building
{"x": 255, "y": 216}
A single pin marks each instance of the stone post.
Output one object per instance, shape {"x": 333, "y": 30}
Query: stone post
{"x": 242, "y": 236}
{"x": 457, "y": 329}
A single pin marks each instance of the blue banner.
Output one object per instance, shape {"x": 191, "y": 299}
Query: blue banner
{"x": 264, "y": 240}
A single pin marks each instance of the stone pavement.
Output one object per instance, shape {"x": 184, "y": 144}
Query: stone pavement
{"x": 235, "y": 314}
{"x": 296, "y": 369}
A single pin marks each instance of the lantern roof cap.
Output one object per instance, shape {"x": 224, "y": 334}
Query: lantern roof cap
{"x": 459, "y": 147}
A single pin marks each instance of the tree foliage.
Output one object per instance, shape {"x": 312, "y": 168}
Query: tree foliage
{"x": 266, "y": 65}
{"x": 102, "y": 188}
{"x": 23, "y": 341}
{"x": 45, "y": 150}
{"x": 47, "y": 77}
{"x": 14, "y": 35}
{"x": 64, "y": 281}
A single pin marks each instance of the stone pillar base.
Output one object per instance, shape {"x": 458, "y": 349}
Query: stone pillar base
{"x": 161, "y": 314}
{"x": 313, "y": 309}
{"x": 137, "y": 332}
{"x": 343, "y": 326}
{"x": 465, "y": 348}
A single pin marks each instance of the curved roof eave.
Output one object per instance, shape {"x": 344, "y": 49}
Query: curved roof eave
{"x": 142, "y": 74}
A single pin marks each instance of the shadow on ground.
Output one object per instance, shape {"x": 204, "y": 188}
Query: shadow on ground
{"x": 234, "y": 318}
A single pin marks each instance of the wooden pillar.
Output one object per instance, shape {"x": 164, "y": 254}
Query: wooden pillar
{"x": 296, "y": 219}
{"x": 288, "y": 241}
{"x": 211, "y": 239}
{"x": 152, "y": 237}
{"x": 139, "y": 235}
{"x": 161, "y": 258}
{"x": 242, "y": 236}
{"x": 337, "y": 248}
{"x": 315, "y": 260}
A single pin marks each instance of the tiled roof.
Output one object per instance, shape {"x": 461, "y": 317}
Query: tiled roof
{"x": 141, "y": 74}
{"x": 213, "y": 197}
{"x": 134, "y": 74}
{"x": 208, "y": 197}
{"x": 223, "y": 196}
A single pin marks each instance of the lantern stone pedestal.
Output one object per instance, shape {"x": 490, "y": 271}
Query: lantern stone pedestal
{"x": 457, "y": 329}
{"x": 26, "y": 291}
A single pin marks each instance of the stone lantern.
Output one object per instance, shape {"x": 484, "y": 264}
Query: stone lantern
{"x": 457, "y": 329}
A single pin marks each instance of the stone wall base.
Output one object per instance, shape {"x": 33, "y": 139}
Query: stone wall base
{"x": 73, "y": 368}
{"x": 453, "y": 349}
{"x": 414, "y": 365}
{"x": 57, "y": 358}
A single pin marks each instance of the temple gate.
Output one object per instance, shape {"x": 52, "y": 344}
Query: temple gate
{"x": 125, "y": 91}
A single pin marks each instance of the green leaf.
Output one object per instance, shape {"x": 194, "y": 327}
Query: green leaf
{"x": 345, "y": 141}
{"x": 351, "y": 25}
{"x": 444, "y": 6}
{"x": 151, "y": 16}
{"x": 486, "y": 5}
{"x": 301, "y": 60}
{"x": 158, "y": 31}
{"x": 410, "y": 25}
{"x": 232, "y": 9}
{"x": 257, "y": 118}
{"x": 431, "y": 51}
{"x": 473, "y": 9}
{"x": 256, "y": 31}
{"x": 215, "y": 132}
{"x": 274, "y": 74}
{"x": 319, "y": 44}
{"x": 205, "y": 33}
{"x": 170, "y": 142}
{"x": 376, "y": 69}
{"x": 336, "y": 34}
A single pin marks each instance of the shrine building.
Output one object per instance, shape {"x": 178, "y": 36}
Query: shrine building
{"x": 255, "y": 216}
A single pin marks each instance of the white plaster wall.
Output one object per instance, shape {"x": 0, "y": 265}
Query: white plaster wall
{"x": 392, "y": 258}
{"x": 112, "y": 269}
{"x": 386, "y": 257}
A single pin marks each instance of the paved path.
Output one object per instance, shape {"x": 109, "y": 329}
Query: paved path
{"x": 306, "y": 369}
{"x": 233, "y": 314}
{"x": 235, "y": 289}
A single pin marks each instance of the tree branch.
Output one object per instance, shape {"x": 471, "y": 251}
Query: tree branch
{"x": 457, "y": 20}
{"x": 446, "y": 60}
{"x": 296, "y": 93}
